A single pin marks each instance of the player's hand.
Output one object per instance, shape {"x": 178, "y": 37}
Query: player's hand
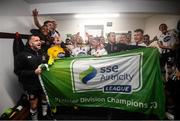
{"x": 35, "y": 12}
{"x": 38, "y": 70}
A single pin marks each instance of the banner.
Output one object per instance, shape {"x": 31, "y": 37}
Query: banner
{"x": 129, "y": 80}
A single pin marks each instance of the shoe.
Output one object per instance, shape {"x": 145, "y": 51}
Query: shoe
{"x": 169, "y": 116}
{"x": 48, "y": 117}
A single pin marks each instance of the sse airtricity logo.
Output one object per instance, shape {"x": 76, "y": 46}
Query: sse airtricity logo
{"x": 88, "y": 74}
{"x": 113, "y": 74}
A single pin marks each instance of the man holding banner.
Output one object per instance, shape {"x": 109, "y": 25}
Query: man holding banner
{"x": 27, "y": 68}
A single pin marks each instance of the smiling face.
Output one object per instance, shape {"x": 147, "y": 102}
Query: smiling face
{"x": 94, "y": 43}
{"x": 78, "y": 39}
{"x": 138, "y": 36}
{"x": 35, "y": 43}
{"x": 50, "y": 26}
{"x": 163, "y": 28}
{"x": 57, "y": 40}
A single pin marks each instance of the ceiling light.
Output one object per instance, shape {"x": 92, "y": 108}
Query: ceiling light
{"x": 96, "y": 15}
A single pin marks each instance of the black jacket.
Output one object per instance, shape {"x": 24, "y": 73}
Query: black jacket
{"x": 112, "y": 48}
{"x": 25, "y": 64}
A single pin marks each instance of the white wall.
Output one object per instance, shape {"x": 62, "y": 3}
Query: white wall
{"x": 15, "y": 16}
{"x": 118, "y": 25}
{"x": 152, "y": 23}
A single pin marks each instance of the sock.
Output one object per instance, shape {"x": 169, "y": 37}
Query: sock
{"x": 44, "y": 107}
{"x": 54, "y": 109}
{"x": 34, "y": 114}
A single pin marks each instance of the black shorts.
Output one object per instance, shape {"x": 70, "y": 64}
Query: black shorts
{"x": 168, "y": 58}
{"x": 36, "y": 93}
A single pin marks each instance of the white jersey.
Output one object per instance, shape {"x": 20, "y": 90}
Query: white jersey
{"x": 98, "y": 52}
{"x": 80, "y": 51}
{"x": 168, "y": 39}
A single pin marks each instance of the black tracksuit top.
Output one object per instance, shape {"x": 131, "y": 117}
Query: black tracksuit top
{"x": 25, "y": 64}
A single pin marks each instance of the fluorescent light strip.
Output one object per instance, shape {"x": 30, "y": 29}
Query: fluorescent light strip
{"x": 96, "y": 15}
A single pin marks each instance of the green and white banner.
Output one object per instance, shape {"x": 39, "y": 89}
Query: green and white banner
{"x": 129, "y": 80}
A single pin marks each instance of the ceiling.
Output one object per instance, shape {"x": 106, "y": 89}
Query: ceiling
{"x": 50, "y": 1}
{"x": 65, "y": 9}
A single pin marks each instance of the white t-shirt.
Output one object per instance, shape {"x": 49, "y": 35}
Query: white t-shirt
{"x": 139, "y": 44}
{"x": 142, "y": 44}
{"x": 98, "y": 52}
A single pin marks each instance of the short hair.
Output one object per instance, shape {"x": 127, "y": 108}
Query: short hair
{"x": 97, "y": 39}
{"x": 30, "y": 36}
{"x": 124, "y": 34}
{"x": 139, "y": 30}
{"x": 110, "y": 34}
{"x": 46, "y": 22}
{"x": 146, "y": 35}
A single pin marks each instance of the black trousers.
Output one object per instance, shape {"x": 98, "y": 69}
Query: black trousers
{"x": 177, "y": 100}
